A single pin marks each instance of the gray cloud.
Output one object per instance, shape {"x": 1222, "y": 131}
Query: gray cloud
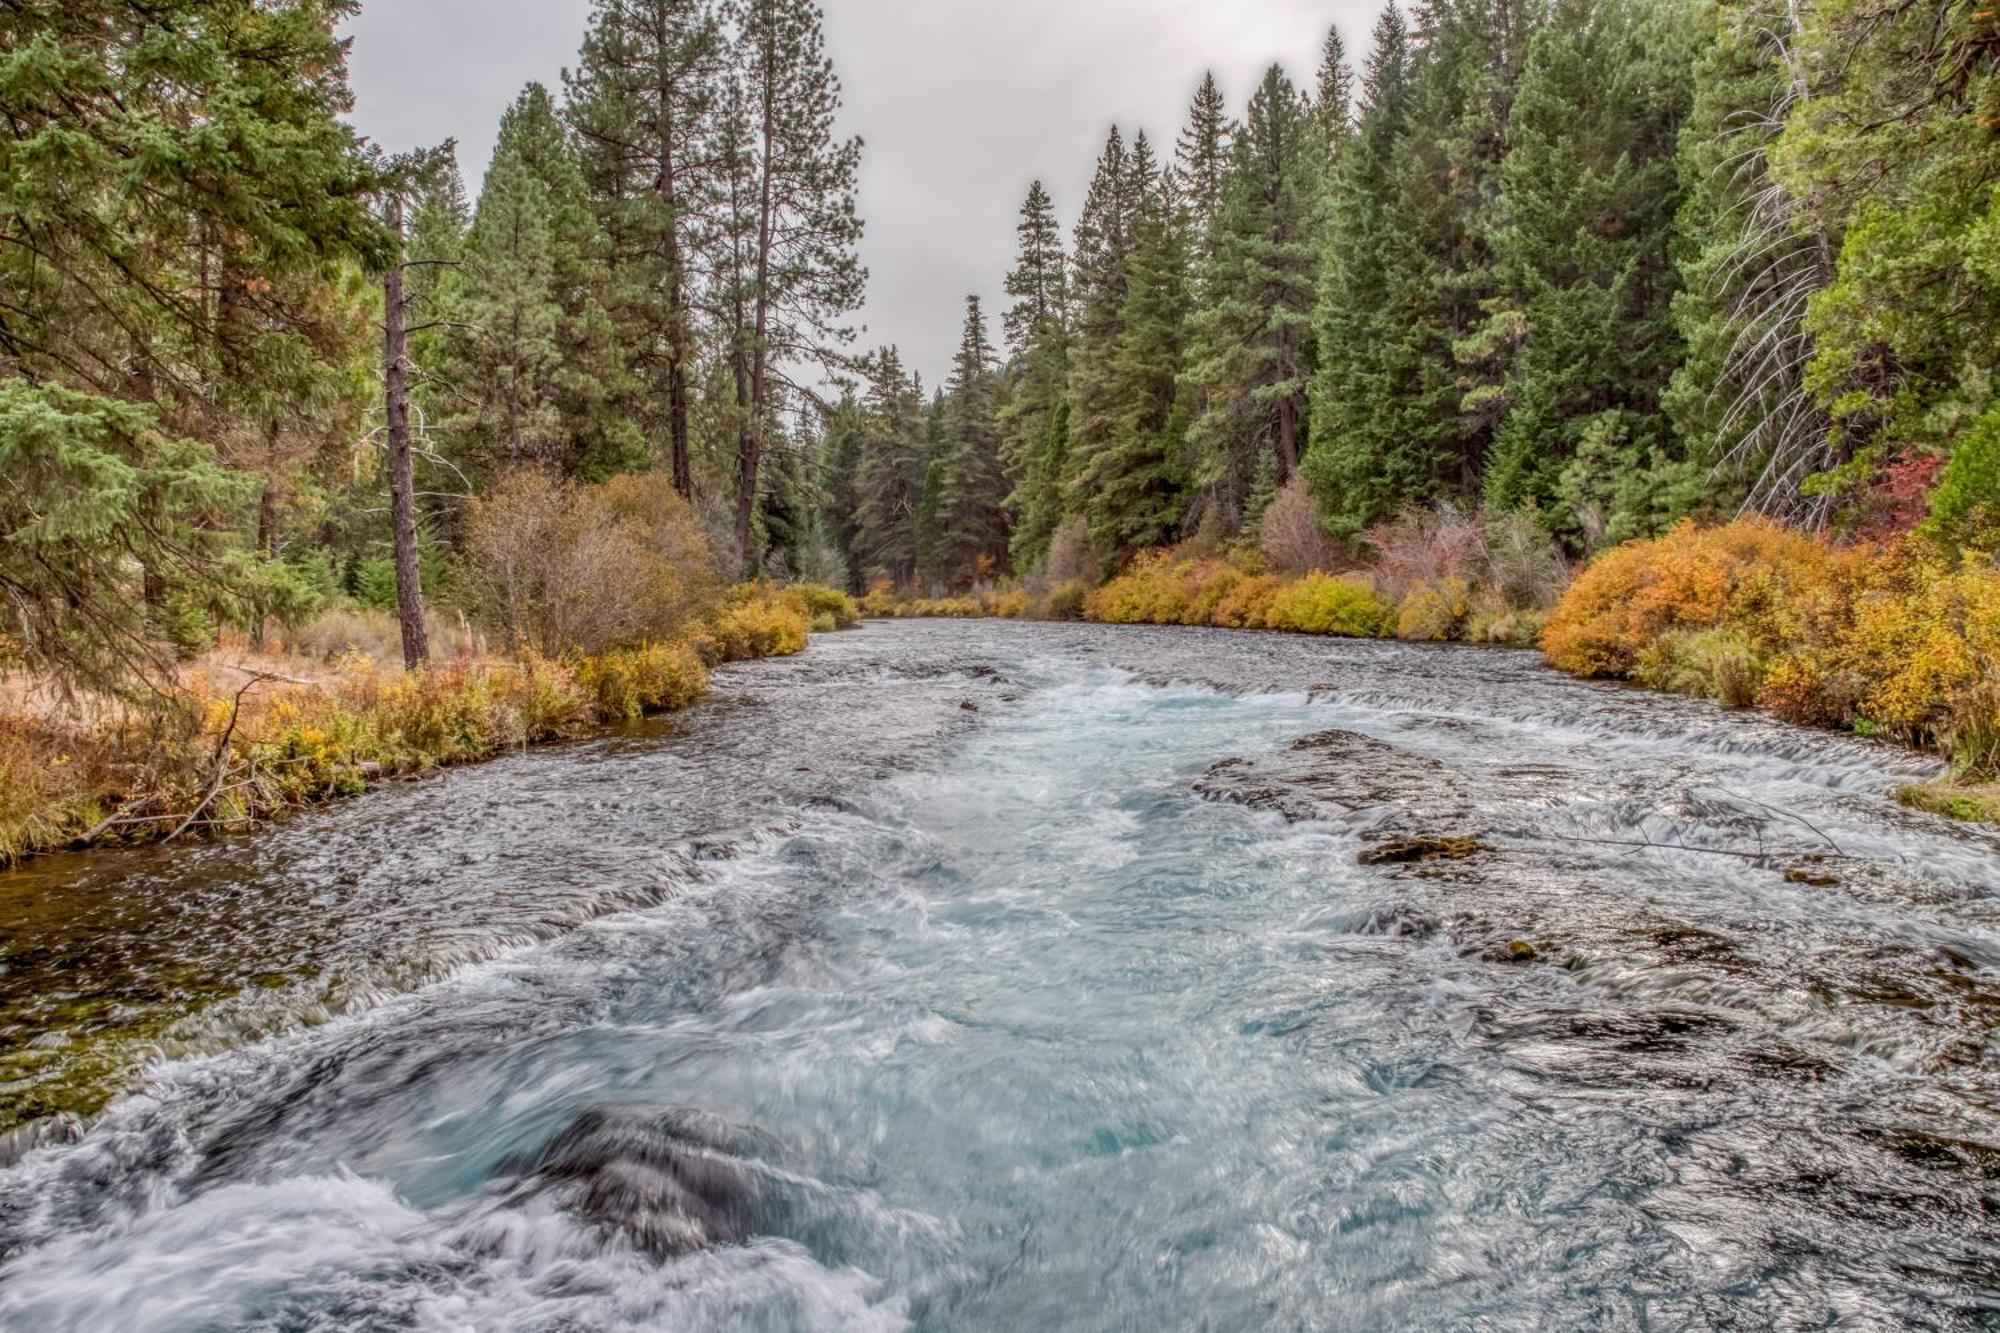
{"x": 962, "y": 103}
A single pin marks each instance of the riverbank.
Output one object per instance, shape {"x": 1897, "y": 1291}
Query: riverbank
{"x": 249, "y": 739}
{"x": 1897, "y": 640}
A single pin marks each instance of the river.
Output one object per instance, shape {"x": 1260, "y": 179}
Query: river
{"x": 1006, "y": 976}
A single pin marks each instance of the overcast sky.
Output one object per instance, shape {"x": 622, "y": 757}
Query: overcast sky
{"x": 961, "y": 102}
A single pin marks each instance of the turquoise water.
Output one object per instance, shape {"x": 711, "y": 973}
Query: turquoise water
{"x": 1078, "y": 1008}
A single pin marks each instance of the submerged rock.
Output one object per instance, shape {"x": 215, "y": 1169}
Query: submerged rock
{"x": 1409, "y": 851}
{"x": 670, "y": 1181}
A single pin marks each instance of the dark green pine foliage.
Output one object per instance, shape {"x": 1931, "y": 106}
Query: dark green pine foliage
{"x": 538, "y": 362}
{"x": 889, "y": 474}
{"x": 1201, "y": 161}
{"x": 1333, "y": 100}
{"x": 934, "y": 537}
{"x": 786, "y": 501}
{"x": 1251, "y": 333}
{"x": 840, "y": 481}
{"x": 1100, "y": 262}
{"x": 1356, "y": 463}
{"x": 976, "y": 485}
{"x": 1130, "y": 486}
{"x": 182, "y": 203}
{"x": 1591, "y": 189}
{"x": 1446, "y": 354}
{"x": 1034, "y": 422}
{"x": 643, "y": 102}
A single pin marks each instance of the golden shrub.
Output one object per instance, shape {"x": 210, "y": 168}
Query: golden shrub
{"x": 1435, "y": 612}
{"x": 1323, "y": 604}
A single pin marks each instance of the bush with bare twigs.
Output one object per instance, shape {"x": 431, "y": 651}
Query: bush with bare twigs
{"x": 1293, "y": 534}
{"x": 561, "y": 568}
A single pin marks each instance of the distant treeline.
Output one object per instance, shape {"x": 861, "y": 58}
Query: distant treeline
{"x": 1609, "y": 262}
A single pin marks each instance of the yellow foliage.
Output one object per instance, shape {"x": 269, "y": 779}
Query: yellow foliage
{"x": 840, "y": 610}
{"x": 756, "y": 622}
{"x": 1326, "y": 604}
{"x": 1435, "y": 612}
{"x": 1897, "y": 640}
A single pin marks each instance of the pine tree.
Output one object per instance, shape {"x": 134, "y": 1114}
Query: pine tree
{"x": 890, "y": 475}
{"x": 1100, "y": 260}
{"x": 1129, "y": 485}
{"x": 975, "y": 478}
{"x": 514, "y": 358}
{"x": 537, "y": 290}
{"x": 1591, "y": 189}
{"x": 1445, "y": 354}
{"x": 643, "y": 101}
{"x": 1355, "y": 464}
{"x": 184, "y": 211}
{"x": 1039, "y": 281}
{"x": 1033, "y": 422}
{"x": 803, "y": 276}
{"x": 1250, "y": 336}
{"x": 934, "y": 536}
{"x": 1333, "y": 100}
{"x": 1201, "y": 159}
{"x": 1751, "y": 261}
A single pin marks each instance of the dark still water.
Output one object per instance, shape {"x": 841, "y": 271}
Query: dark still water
{"x": 999, "y": 976}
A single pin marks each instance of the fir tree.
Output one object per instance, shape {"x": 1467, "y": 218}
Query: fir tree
{"x": 1357, "y": 467}
{"x": 643, "y": 102}
{"x": 1033, "y": 421}
{"x": 890, "y": 475}
{"x": 1201, "y": 159}
{"x": 1039, "y": 280}
{"x": 1333, "y": 100}
{"x": 975, "y": 479}
{"x": 1250, "y": 337}
{"x": 1129, "y": 485}
{"x": 1100, "y": 261}
{"x": 803, "y": 277}
{"x": 1591, "y": 189}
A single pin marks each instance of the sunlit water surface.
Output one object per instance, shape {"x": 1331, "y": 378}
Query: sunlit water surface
{"x": 1020, "y": 977}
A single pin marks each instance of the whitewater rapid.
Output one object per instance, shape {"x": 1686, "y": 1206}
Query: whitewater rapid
{"x": 997, "y": 976}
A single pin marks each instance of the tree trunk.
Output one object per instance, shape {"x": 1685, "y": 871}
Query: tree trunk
{"x": 402, "y": 480}
{"x": 267, "y": 535}
{"x": 752, "y": 452}
{"x": 678, "y": 459}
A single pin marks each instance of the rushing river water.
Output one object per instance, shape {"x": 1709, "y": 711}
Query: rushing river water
{"x": 997, "y": 976}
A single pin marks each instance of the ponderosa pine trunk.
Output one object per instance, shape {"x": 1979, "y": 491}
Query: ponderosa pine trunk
{"x": 402, "y": 472}
{"x": 751, "y": 454}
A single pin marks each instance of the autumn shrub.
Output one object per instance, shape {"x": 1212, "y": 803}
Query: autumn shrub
{"x": 1901, "y": 641}
{"x": 1720, "y": 664}
{"x": 1435, "y": 612}
{"x": 562, "y": 568}
{"x": 1151, "y": 591}
{"x": 1071, "y": 558}
{"x": 1247, "y": 605}
{"x": 1425, "y": 546}
{"x": 880, "y": 600}
{"x": 755, "y": 621}
{"x": 1504, "y": 628}
{"x": 630, "y": 684}
{"x": 1065, "y": 601}
{"x": 1293, "y": 532}
{"x": 946, "y": 608}
{"x": 840, "y": 609}
{"x": 1522, "y": 568}
{"x": 1755, "y": 575}
{"x": 1323, "y": 604}
{"x": 1011, "y": 605}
